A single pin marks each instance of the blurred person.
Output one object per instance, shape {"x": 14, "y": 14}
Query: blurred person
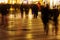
{"x": 48, "y": 14}
{"x": 4, "y": 11}
{"x": 35, "y": 10}
{"x": 45, "y": 17}
{"x": 26, "y": 9}
{"x": 54, "y": 14}
{"x": 22, "y": 10}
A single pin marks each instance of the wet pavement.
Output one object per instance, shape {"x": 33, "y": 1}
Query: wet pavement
{"x": 26, "y": 28}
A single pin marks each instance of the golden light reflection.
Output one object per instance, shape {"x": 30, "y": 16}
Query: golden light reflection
{"x": 29, "y": 24}
{"x": 51, "y": 4}
{"x": 11, "y": 26}
{"x": 11, "y": 16}
{"x": 57, "y": 37}
{"x": 30, "y": 14}
{"x": 11, "y": 9}
{"x": 50, "y": 26}
{"x": 29, "y": 36}
{"x": 11, "y": 33}
{"x": 36, "y": 0}
{"x": 11, "y": 23}
{"x": 6, "y": 1}
{"x": 25, "y": 2}
{"x": 24, "y": 15}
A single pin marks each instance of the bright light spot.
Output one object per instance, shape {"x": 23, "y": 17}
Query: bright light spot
{"x": 25, "y": 2}
{"x": 50, "y": 26}
{"x": 29, "y": 36}
{"x": 55, "y": 2}
{"x": 29, "y": 1}
{"x": 36, "y": 2}
{"x": 11, "y": 16}
{"x": 30, "y": 14}
{"x": 11, "y": 24}
{"x": 6, "y": 1}
{"x": 24, "y": 15}
{"x": 51, "y": 4}
{"x": 3, "y": 1}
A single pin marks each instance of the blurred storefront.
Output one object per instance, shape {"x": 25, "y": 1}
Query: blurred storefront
{"x": 13, "y": 1}
{"x": 51, "y": 2}
{"x": 18, "y": 1}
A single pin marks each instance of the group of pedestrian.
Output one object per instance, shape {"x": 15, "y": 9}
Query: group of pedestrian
{"x": 24, "y": 8}
{"x": 34, "y": 10}
{"x": 48, "y": 15}
{"x": 4, "y": 10}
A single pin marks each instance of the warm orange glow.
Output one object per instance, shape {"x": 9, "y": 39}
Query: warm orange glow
{"x": 35, "y": 0}
{"x": 29, "y": 36}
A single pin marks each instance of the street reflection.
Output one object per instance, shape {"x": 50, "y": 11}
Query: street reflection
{"x": 29, "y": 24}
{"x": 11, "y": 33}
{"x": 29, "y": 36}
{"x": 11, "y": 21}
{"x": 26, "y": 28}
{"x": 11, "y": 16}
{"x": 30, "y": 16}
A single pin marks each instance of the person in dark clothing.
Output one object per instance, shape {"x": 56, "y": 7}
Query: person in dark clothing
{"x": 45, "y": 17}
{"x": 4, "y": 11}
{"x": 26, "y": 7}
{"x": 22, "y": 10}
{"x": 55, "y": 13}
{"x": 35, "y": 10}
{"x": 48, "y": 14}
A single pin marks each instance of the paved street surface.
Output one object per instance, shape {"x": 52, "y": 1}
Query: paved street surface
{"x": 26, "y": 28}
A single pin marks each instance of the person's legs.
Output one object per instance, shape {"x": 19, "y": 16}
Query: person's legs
{"x": 56, "y": 24}
{"x": 45, "y": 23}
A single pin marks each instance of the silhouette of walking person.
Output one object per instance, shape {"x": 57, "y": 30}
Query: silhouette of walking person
{"x": 22, "y": 10}
{"x": 26, "y": 7}
{"x": 48, "y": 14}
{"x": 4, "y": 12}
{"x": 35, "y": 10}
{"x": 45, "y": 17}
{"x": 55, "y": 14}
